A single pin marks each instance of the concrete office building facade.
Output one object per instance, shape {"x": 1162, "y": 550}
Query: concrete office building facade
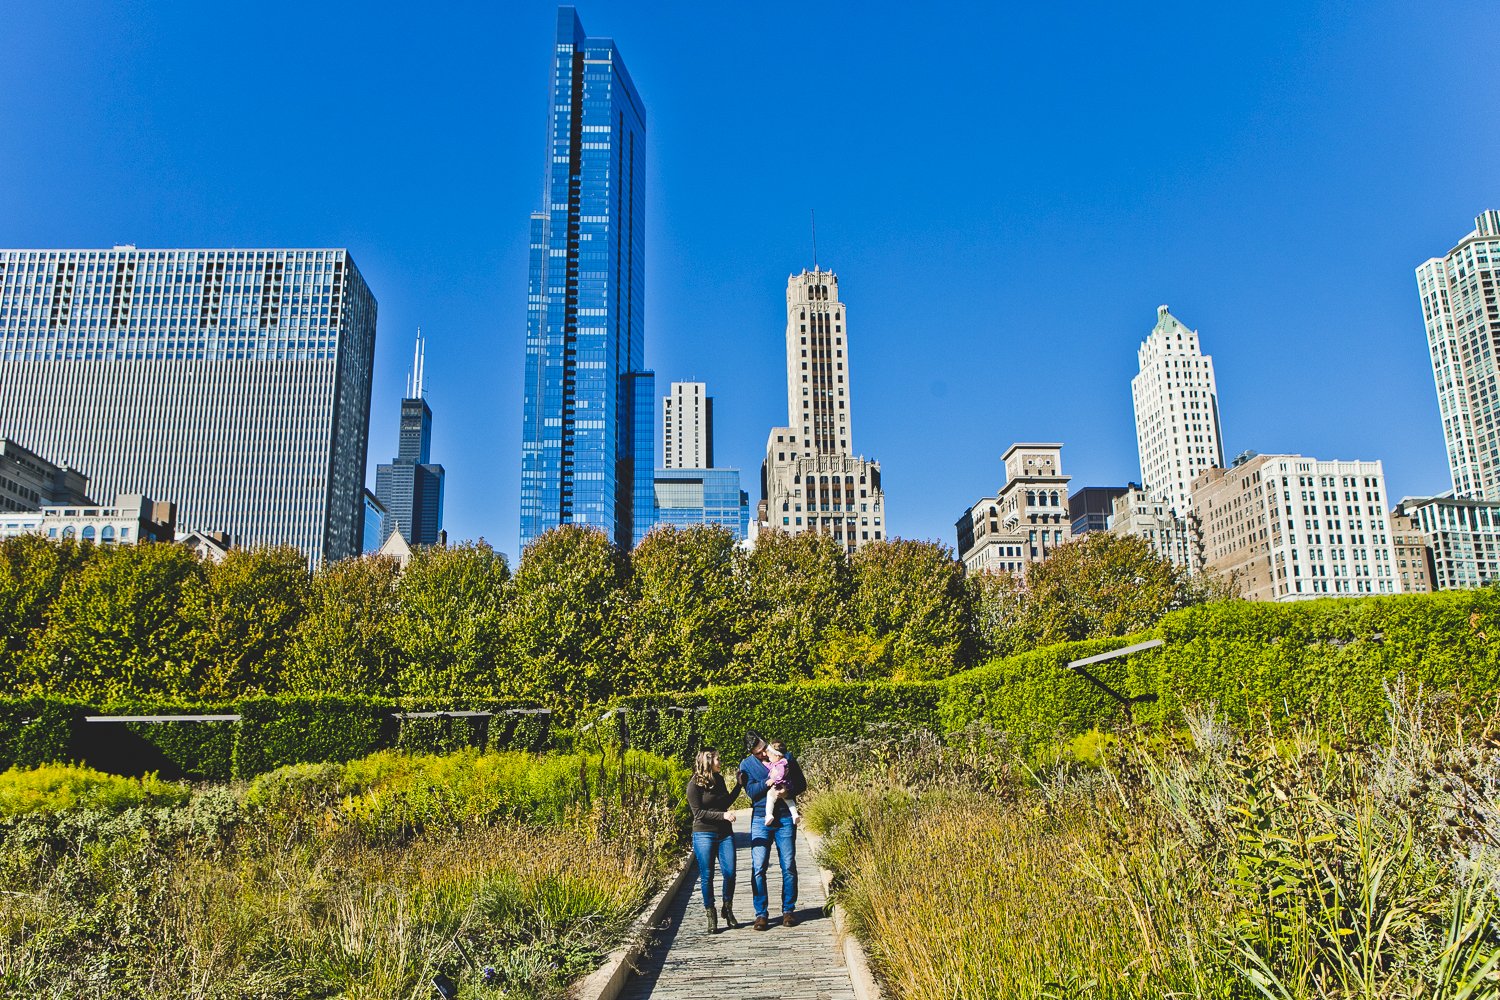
{"x": 1463, "y": 535}
{"x": 687, "y": 427}
{"x": 235, "y": 381}
{"x": 1148, "y": 517}
{"x": 1025, "y": 521}
{"x": 28, "y": 481}
{"x": 130, "y": 520}
{"x": 812, "y": 480}
{"x": 1287, "y": 527}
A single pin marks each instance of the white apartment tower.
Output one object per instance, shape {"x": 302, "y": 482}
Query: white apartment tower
{"x": 687, "y": 427}
{"x": 811, "y": 479}
{"x": 1176, "y": 412}
{"x": 1461, "y": 309}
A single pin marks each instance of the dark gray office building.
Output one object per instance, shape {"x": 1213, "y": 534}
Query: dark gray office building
{"x": 411, "y": 487}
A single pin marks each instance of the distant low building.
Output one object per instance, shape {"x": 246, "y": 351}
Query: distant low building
{"x": 1413, "y": 554}
{"x": 209, "y": 546}
{"x": 1025, "y": 521}
{"x": 687, "y": 497}
{"x": 131, "y": 520}
{"x": 1092, "y": 507}
{"x": 28, "y": 481}
{"x": 1464, "y": 536}
{"x": 375, "y": 517}
{"x": 1150, "y": 518}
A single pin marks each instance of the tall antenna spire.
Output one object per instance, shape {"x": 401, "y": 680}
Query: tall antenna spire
{"x": 815, "y": 239}
{"x": 421, "y": 361}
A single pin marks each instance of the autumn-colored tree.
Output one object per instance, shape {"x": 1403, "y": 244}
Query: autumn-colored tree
{"x": 564, "y": 617}
{"x": 116, "y": 628}
{"x": 912, "y": 597}
{"x": 685, "y": 609}
{"x": 797, "y": 590}
{"x": 343, "y": 645}
{"x": 32, "y": 572}
{"x": 240, "y": 614}
{"x": 449, "y": 625}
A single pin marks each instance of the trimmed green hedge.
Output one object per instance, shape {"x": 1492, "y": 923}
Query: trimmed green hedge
{"x": 276, "y": 731}
{"x": 36, "y": 731}
{"x": 677, "y": 726}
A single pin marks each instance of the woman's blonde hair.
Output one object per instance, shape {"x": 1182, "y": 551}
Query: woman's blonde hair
{"x": 703, "y": 767}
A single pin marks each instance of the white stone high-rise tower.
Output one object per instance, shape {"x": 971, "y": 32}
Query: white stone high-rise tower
{"x": 1459, "y": 307}
{"x": 687, "y": 427}
{"x": 1176, "y": 412}
{"x": 812, "y": 480}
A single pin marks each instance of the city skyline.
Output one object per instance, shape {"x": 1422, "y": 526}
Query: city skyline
{"x": 1290, "y": 278}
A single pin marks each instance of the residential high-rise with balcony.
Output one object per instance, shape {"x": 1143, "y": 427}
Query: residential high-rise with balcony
{"x": 811, "y": 479}
{"x": 236, "y": 382}
{"x": 410, "y": 489}
{"x": 687, "y": 427}
{"x": 584, "y": 459}
{"x": 1176, "y": 412}
{"x": 1461, "y": 310}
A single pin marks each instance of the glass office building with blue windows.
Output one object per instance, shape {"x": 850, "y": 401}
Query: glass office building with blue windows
{"x": 685, "y": 497}
{"x": 583, "y": 458}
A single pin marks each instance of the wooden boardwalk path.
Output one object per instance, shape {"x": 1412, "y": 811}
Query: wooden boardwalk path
{"x": 783, "y": 963}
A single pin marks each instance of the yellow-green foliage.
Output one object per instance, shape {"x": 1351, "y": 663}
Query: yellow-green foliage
{"x": 1218, "y": 867}
{"x": 295, "y": 886}
{"x": 60, "y": 788}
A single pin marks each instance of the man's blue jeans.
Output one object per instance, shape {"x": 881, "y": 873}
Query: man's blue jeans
{"x": 785, "y": 835}
{"x": 705, "y": 846}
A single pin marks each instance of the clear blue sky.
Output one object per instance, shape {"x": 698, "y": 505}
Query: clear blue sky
{"x": 1006, "y": 191}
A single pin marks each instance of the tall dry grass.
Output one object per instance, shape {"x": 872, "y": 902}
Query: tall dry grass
{"x": 1213, "y": 865}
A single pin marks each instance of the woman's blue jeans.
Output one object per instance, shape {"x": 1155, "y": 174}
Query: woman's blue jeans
{"x": 705, "y": 846}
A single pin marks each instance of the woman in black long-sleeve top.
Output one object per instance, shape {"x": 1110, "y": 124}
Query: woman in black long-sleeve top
{"x": 713, "y": 832}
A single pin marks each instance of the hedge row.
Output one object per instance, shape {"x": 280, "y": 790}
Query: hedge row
{"x": 1332, "y": 662}
{"x": 271, "y": 732}
{"x": 678, "y": 725}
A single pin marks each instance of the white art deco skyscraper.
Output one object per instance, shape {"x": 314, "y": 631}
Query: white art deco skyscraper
{"x": 811, "y": 479}
{"x": 1176, "y": 412}
{"x": 1461, "y": 309}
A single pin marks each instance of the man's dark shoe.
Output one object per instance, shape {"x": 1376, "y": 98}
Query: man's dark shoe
{"x": 761, "y": 923}
{"x": 713, "y": 919}
{"x": 728, "y": 916}
{"x": 788, "y": 919}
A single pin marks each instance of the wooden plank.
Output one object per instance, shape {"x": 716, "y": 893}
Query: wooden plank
{"x": 1100, "y": 658}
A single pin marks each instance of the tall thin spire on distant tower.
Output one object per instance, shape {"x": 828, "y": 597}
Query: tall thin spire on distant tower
{"x": 416, "y": 375}
{"x": 815, "y": 239}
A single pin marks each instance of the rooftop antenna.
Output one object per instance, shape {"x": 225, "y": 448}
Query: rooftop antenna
{"x": 418, "y": 363}
{"x": 815, "y": 239}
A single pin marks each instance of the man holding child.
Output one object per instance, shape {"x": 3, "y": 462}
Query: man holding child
{"x": 772, "y": 780}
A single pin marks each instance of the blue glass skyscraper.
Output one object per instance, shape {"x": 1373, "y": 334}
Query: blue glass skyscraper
{"x": 585, "y": 323}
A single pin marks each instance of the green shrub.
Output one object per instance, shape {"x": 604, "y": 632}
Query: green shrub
{"x": 501, "y": 730}
{"x": 274, "y": 732}
{"x": 59, "y": 788}
{"x": 198, "y": 751}
{"x": 36, "y": 731}
{"x": 677, "y": 726}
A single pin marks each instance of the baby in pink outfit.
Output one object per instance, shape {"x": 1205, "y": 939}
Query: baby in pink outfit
{"x": 776, "y": 768}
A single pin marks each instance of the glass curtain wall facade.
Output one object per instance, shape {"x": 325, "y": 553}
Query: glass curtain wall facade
{"x": 233, "y": 382}
{"x": 585, "y": 331}
{"x": 685, "y": 497}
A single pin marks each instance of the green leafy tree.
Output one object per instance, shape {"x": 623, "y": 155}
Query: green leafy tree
{"x": 685, "y": 609}
{"x": 343, "y": 645}
{"x": 32, "y": 571}
{"x": 448, "y": 629}
{"x": 116, "y": 628}
{"x": 912, "y": 597}
{"x": 797, "y": 590}
{"x": 564, "y": 619}
{"x": 1097, "y": 586}
{"x": 241, "y": 614}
